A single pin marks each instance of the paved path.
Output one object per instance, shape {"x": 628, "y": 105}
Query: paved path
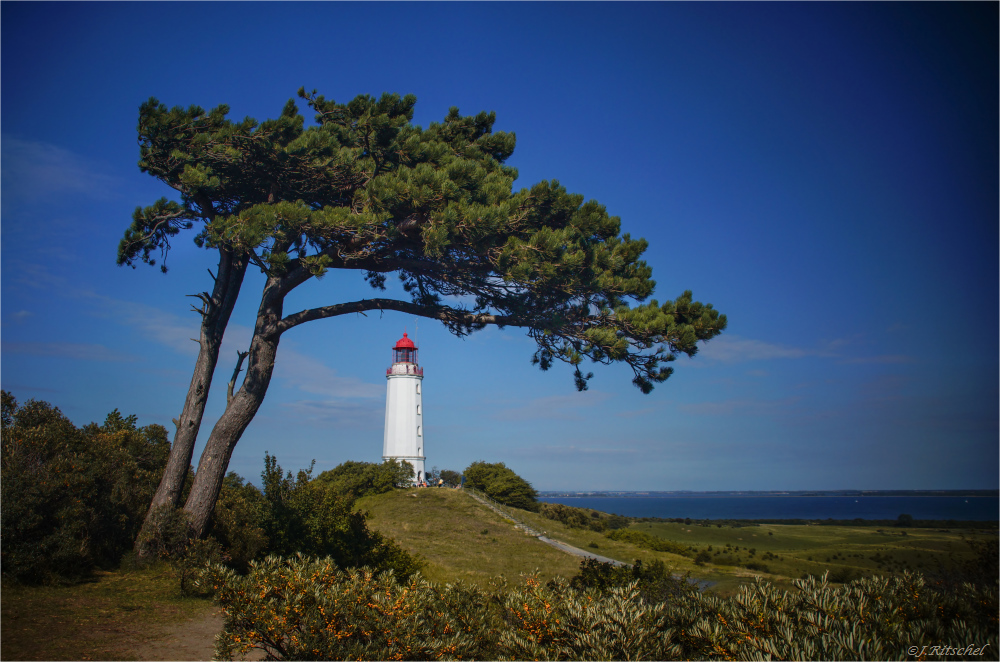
{"x": 576, "y": 551}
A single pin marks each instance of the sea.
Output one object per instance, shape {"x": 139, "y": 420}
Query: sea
{"x": 712, "y": 506}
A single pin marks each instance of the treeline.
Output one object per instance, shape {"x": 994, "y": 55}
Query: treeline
{"x": 902, "y": 521}
{"x": 302, "y": 609}
{"x": 74, "y": 500}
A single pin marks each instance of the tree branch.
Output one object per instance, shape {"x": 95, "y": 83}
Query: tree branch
{"x": 236, "y": 373}
{"x": 445, "y": 314}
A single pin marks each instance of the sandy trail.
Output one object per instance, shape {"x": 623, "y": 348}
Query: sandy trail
{"x": 193, "y": 639}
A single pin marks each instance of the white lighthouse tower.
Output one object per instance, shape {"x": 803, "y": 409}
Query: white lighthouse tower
{"x": 404, "y": 415}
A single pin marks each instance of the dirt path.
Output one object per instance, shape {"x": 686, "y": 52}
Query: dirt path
{"x": 193, "y": 639}
{"x": 569, "y": 549}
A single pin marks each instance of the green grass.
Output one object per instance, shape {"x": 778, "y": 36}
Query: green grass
{"x": 104, "y": 618}
{"x": 460, "y": 539}
{"x": 787, "y": 551}
{"x": 111, "y": 615}
{"x": 791, "y": 551}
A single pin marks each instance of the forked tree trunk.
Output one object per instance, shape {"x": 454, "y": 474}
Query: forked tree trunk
{"x": 216, "y": 312}
{"x": 240, "y": 410}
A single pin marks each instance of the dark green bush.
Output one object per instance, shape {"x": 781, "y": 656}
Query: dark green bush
{"x": 655, "y": 581}
{"x": 357, "y": 479}
{"x": 502, "y": 484}
{"x": 302, "y": 515}
{"x": 72, "y": 499}
{"x": 239, "y": 521}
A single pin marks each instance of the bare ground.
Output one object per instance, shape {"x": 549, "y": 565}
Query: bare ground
{"x": 193, "y": 639}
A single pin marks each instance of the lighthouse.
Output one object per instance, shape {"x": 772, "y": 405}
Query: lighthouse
{"x": 404, "y": 416}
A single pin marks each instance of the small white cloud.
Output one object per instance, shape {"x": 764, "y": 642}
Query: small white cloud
{"x": 308, "y": 374}
{"x": 333, "y": 415}
{"x": 33, "y": 170}
{"x": 634, "y": 413}
{"x": 553, "y": 407}
{"x": 734, "y": 349}
{"x": 887, "y": 358}
{"x": 20, "y": 316}
{"x": 76, "y": 351}
{"x": 742, "y": 406}
{"x": 176, "y": 332}
{"x": 603, "y": 453}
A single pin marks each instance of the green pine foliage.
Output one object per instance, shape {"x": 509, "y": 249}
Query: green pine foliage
{"x": 307, "y": 609}
{"x": 501, "y": 483}
{"x": 71, "y": 499}
{"x": 363, "y": 188}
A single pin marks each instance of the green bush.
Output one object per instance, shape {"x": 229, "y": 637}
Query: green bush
{"x": 307, "y": 609}
{"x": 581, "y": 518}
{"x": 72, "y": 499}
{"x": 302, "y": 515}
{"x": 238, "y": 521}
{"x": 357, "y": 479}
{"x": 655, "y": 581}
{"x": 502, "y": 484}
{"x": 647, "y": 541}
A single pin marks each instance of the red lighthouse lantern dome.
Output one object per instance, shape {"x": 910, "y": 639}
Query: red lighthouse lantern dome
{"x": 404, "y": 351}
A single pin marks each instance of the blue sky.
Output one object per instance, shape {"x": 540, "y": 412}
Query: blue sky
{"x": 824, "y": 174}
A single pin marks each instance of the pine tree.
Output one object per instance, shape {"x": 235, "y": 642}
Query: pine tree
{"x": 364, "y": 189}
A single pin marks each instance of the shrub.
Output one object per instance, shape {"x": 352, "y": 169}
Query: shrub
{"x": 354, "y": 480}
{"x": 307, "y": 609}
{"x": 294, "y": 515}
{"x": 72, "y": 499}
{"x": 239, "y": 521}
{"x": 656, "y": 582}
{"x": 502, "y": 484}
{"x": 647, "y": 541}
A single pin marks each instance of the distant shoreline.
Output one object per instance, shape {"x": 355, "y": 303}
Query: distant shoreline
{"x": 775, "y": 493}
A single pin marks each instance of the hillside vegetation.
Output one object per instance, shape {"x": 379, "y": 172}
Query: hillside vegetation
{"x": 457, "y": 538}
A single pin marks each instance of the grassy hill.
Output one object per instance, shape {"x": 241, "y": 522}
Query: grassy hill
{"x": 460, "y": 539}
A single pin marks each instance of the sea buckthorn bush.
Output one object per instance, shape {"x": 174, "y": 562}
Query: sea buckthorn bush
{"x": 303, "y": 609}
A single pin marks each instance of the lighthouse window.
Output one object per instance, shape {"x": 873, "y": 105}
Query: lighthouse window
{"x": 418, "y": 431}
{"x": 418, "y": 388}
{"x": 418, "y": 410}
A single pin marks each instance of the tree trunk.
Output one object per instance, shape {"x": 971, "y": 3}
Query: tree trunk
{"x": 240, "y": 410}
{"x": 215, "y": 318}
